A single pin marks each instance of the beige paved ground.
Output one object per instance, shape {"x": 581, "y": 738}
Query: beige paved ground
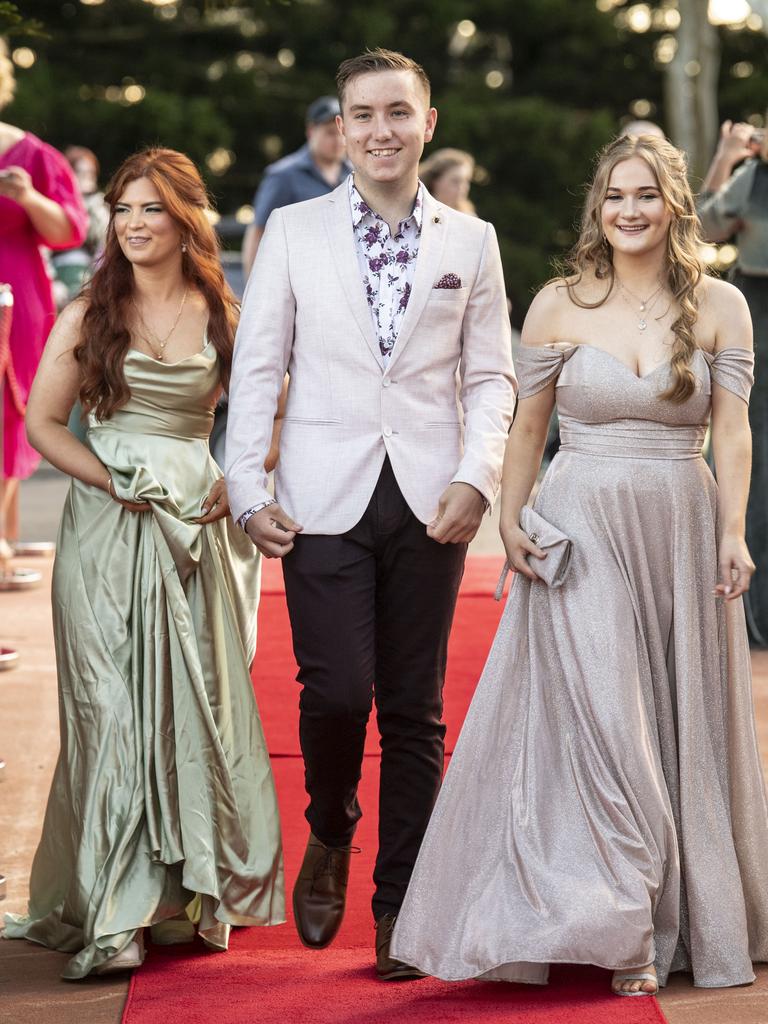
{"x": 30, "y": 988}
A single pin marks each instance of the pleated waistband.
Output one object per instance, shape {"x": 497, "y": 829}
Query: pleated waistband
{"x": 632, "y": 439}
{"x": 187, "y": 428}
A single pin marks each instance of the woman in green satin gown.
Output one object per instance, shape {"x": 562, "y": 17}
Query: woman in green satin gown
{"x": 163, "y": 797}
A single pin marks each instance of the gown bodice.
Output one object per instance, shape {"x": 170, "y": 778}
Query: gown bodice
{"x": 172, "y": 399}
{"x": 604, "y": 407}
{"x": 156, "y": 445}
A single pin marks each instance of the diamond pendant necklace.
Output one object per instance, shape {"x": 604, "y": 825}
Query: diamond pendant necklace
{"x": 646, "y": 305}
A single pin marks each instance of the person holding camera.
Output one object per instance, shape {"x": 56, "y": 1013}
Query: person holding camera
{"x": 734, "y": 205}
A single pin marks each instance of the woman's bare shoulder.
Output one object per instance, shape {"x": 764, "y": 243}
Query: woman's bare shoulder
{"x": 545, "y": 314}
{"x": 719, "y": 293}
{"x": 550, "y": 318}
{"x": 65, "y": 333}
{"x": 724, "y": 311}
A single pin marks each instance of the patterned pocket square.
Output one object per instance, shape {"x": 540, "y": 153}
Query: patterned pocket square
{"x": 449, "y": 281}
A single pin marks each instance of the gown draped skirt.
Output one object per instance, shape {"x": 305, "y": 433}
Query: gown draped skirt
{"x": 605, "y": 802}
{"x": 163, "y": 788}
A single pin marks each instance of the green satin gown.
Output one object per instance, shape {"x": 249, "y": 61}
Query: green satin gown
{"x": 163, "y": 788}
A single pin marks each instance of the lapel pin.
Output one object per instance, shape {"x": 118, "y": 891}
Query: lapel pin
{"x": 435, "y": 220}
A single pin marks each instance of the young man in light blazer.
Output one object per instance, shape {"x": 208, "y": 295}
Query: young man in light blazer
{"x": 371, "y": 298}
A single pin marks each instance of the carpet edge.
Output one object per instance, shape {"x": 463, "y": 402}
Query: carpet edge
{"x": 129, "y": 999}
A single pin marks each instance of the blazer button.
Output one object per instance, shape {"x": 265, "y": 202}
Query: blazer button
{"x": 387, "y": 432}
{"x": 386, "y": 382}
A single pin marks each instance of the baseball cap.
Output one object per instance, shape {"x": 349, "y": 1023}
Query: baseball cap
{"x": 322, "y": 110}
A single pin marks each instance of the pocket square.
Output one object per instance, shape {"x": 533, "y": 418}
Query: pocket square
{"x": 449, "y": 281}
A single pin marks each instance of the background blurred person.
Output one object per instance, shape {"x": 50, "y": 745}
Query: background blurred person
{"x": 40, "y": 205}
{"x": 642, "y": 128}
{"x": 447, "y": 175}
{"x": 734, "y": 205}
{"x": 315, "y": 169}
{"x": 73, "y": 266}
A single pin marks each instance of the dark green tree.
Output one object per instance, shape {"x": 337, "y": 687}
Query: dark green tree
{"x": 531, "y": 87}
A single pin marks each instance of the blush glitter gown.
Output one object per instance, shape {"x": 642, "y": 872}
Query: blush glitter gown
{"x": 605, "y": 802}
{"x": 163, "y": 789}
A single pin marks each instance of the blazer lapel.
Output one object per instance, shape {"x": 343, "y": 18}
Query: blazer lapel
{"x": 431, "y": 245}
{"x": 338, "y": 222}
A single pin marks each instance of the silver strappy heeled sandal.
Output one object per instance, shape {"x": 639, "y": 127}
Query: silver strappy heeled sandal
{"x": 620, "y": 977}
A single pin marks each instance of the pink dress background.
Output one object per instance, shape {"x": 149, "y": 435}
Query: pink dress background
{"x": 22, "y": 267}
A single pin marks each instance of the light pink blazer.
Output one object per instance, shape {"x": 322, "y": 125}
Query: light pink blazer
{"x": 305, "y": 312}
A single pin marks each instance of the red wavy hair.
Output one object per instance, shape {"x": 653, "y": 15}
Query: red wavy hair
{"x": 105, "y": 336}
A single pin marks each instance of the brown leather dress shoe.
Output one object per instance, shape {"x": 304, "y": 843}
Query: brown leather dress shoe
{"x": 320, "y": 892}
{"x": 387, "y": 968}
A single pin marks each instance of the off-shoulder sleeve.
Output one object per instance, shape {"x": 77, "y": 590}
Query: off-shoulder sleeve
{"x": 53, "y": 177}
{"x": 538, "y": 367}
{"x": 733, "y": 369}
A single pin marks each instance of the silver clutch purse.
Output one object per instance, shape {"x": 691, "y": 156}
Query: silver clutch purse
{"x": 553, "y": 569}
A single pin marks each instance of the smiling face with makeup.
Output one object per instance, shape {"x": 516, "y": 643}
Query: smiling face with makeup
{"x": 635, "y": 219}
{"x": 147, "y": 233}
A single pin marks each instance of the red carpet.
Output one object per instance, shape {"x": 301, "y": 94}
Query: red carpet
{"x": 267, "y": 977}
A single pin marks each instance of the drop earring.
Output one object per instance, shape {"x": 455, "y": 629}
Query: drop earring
{"x": 183, "y": 246}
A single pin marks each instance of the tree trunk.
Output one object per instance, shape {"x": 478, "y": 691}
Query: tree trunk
{"x": 690, "y": 87}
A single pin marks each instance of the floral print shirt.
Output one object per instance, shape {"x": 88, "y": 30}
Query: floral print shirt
{"x": 387, "y": 264}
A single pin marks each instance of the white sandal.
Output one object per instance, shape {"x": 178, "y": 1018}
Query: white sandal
{"x": 19, "y": 579}
{"x": 127, "y": 959}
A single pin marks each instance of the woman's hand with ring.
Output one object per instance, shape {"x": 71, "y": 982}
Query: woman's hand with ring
{"x": 518, "y": 545}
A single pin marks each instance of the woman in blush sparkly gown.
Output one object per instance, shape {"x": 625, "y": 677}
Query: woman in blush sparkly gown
{"x": 605, "y": 803}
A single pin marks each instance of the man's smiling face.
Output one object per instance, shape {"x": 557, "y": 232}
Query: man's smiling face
{"x": 386, "y": 119}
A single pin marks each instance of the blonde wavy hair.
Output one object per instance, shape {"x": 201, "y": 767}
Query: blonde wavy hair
{"x": 7, "y": 77}
{"x": 683, "y": 267}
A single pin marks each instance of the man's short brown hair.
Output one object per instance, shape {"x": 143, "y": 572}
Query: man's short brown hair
{"x": 378, "y": 60}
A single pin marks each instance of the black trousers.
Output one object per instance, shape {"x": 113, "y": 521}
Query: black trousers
{"x": 371, "y": 610}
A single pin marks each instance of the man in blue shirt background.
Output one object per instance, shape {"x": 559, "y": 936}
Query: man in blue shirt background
{"x": 314, "y": 170}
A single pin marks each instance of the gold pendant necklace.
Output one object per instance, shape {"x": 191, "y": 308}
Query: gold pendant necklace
{"x": 160, "y": 342}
